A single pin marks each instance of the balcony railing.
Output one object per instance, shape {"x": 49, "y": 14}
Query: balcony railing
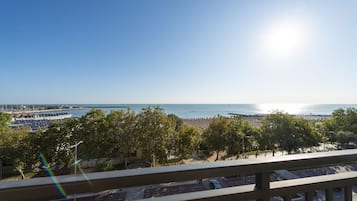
{"x": 263, "y": 189}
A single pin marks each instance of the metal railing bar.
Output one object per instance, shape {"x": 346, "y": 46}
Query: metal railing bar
{"x": 232, "y": 193}
{"x": 94, "y": 182}
{"x": 309, "y": 196}
{"x": 348, "y": 193}
{"x": 308, "y": 184}
{"x": 279, "y": 188}
{"x": 329, "y": 194}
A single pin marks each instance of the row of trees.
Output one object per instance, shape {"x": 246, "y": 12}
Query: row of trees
{"x": 281, "y": 130}
{"x": 151, "y": 131}
{"x": 158, "y": 136}
{"x": 277, "y": 130}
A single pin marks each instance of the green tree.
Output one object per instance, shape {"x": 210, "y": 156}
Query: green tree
{"x": 96, "y": 143}
{"x": 241, "y": 133}
{"x": 154, "y": 131}
{"x": 289, "y": 132}
{"x": 187, "y": 141}
{"x": 234, "y": 136}
{"x": 343, "y": 121}
{"x": 177, "y": 121}
{"x": 15, "y": 146}
{"x": 252, "y": 136}
{"x": 121, "y": 129}
{"x": 54, "y": 143}
{"x": 345, "y": 137}
{"x": 5, "y": 119}
{"x": 327, "y": 129}
{"x": 172, "y": 143}
{"x": 15, "y": 149}
{"x": 306, "y": 133}
{"x": 215, "y": 135}
{"x": 267, "y": 139}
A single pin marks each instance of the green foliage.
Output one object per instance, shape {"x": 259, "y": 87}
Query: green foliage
{"x": 105, "y": 166}
{"x": 288, "y": 132}
{"x": 15, "y": 149}
{"x": 252, "y": 135}
{"x": 92, "y": 133}
{"x": 247, "y": 134}
{"x": 342, "y": 126}
{"x": 121, "y": 129}
{"x": 158, "y": 135}
{"x": 186, "y": 141}
{"x": 177, "y": 121}
{"x": 231, "y": 134}
{"x": 346, "y": 137}
{"x": 235, "y": 134}
{"x": 215, "y": 135}
{"x": 53, "y": 144}
{"x": 345, "y": 119}
{"x": 154, "y": 130}
{"x": 4, "y": 122}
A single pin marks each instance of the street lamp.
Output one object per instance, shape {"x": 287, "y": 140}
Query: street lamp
{"x": 75, "y": 155}
{"x": 243, "y": 151}
{"x": 243, "y": 145}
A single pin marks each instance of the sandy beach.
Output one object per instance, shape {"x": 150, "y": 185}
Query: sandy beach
{"x": 254, "y": 120}
{"x": 202, "y": 123}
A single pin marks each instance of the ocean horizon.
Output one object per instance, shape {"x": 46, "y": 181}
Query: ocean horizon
{"x": 194, "y": 111}
{"x": 191, "y": 111}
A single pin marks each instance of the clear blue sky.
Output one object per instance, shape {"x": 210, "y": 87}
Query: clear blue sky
{"x": 179, "y": 51}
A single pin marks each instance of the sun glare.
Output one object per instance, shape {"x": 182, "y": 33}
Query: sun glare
{"x": 282, "y": 107}
{"x": 283, "y": 40}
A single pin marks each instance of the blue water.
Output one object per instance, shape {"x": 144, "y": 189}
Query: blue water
{"x": 211, "y": 110}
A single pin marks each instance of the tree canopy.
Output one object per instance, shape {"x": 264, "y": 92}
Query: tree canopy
{"x": 341, "y": 126}
{"x": 232, "y": 135}
{"x": 5, "y": 119}
{"x": 158, "y": 136}
{"x": 215, "y": 135}
{"x": 288, "y": 132}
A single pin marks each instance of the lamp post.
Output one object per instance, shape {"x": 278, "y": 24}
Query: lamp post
{"x": 75, "y": 155}
{"x": 324, "y": 142}
{"x": 243, "y": 145}
{"x": 243, "y": 151}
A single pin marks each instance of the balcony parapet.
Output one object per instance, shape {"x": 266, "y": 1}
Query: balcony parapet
{"x": 44, "y": 188}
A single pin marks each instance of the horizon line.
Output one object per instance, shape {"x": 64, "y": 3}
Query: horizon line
{"x": 268, "y": 103}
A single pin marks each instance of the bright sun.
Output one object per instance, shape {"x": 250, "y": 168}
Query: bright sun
{"x": 284, "y": 40}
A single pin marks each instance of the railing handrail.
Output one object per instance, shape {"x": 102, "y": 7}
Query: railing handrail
{"x": 93, "y": 182}
{"x": 278, "y": 188}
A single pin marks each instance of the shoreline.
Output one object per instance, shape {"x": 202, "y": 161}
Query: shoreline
{"x": 196, "y": 111}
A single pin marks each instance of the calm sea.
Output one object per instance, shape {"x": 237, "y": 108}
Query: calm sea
{"x": 211, "y": 110}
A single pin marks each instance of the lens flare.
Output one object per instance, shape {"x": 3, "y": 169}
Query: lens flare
{"x": 52, "y": 176}
{"x": 77, "y": 165}
{"x": 84, "y": 175}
